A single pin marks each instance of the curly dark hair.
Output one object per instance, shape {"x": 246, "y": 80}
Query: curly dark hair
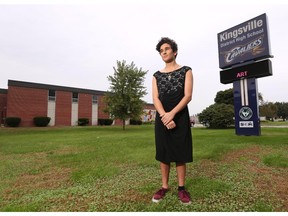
{"x": 169, "y": 41}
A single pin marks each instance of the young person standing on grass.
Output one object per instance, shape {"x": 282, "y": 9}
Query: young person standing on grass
{"x": 172, "y": 91}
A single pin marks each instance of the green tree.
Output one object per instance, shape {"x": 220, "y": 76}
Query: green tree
{"x": 126, "y": 90}
{"x": 282, "y": 110}
{"x": 260, "y": 98}
{"x": 225, "y": 97}
{"x": 217, "y": 116}
{"x": 221, "y": 113}
{"x": 268, "y": 109}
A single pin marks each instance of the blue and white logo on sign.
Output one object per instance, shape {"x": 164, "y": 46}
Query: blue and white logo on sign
{"x": 245, "y": 113}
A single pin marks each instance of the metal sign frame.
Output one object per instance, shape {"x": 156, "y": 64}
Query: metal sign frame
{"x": 246, "y": 41}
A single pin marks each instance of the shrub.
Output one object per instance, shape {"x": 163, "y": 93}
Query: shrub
{"x": 217, "y": 116}
{"x": 105, "y": 121}
{"x": 12, "y": 121}
{"x": 83, "y": 121}
{"x": 135, "y": 122}
{"x": 41, "y": 121}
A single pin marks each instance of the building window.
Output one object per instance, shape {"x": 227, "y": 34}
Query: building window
{"x": 75, "y": 97}
{"x": 94, "y": 99}
{"x": 52, "y": 95}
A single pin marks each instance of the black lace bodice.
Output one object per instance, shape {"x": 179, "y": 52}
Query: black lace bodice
{"x": 171, "y": 82}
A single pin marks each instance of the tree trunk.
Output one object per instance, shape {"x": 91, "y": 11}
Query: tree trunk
{"x": 123, "y": 124}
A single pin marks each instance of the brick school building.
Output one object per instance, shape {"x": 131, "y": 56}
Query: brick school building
{"x": 64, "y": 105}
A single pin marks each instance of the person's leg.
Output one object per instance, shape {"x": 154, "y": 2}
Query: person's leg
{"x": 165, "y": 170}
{"x": 160, "y": 194}
{"x": 181, "y": 173}
{"x": 183, "y": 195}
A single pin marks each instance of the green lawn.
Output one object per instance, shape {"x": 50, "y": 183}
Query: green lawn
{"x": 108, "y": 169}
{"x": 275, "y": 123}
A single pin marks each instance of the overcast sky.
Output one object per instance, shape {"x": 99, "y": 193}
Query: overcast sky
{"x": 77, "y": 45}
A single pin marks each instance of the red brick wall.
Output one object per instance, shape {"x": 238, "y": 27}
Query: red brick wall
{"x": 118, "y": 122}
{"x": 3, "y": 106}
{"x": 101, "y": 107}
{"x": 85, "y": 106}
{"x": 26, "y": 103}
{"x": 63, "y": 108}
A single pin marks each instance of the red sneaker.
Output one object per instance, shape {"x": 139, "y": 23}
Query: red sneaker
{"x": 184, "y": 197}
{"x": 159, "y": 195}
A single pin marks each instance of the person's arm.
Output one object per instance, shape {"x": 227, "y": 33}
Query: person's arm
{"x": 158, "y": 105}
{"x": 155, "y": 95}
{"x": 188, "y": 90}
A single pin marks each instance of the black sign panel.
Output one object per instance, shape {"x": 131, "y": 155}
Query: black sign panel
{"x": 258, "y": 69}
{"x": 244, "y": 42}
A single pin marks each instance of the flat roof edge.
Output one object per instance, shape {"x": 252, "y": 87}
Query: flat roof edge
{"x": 53, "y": 87}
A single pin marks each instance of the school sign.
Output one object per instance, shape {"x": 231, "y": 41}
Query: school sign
{"x": 244, "y": 42}
{"x": 244, "y": 52}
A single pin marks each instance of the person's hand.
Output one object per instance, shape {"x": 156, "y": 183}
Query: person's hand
{"x": 166, "y": 118}
{"x": 171, "y": 125}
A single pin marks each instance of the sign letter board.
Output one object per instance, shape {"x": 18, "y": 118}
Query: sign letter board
{"x": 254, "y": 70}
{"x": 246, "y": 41}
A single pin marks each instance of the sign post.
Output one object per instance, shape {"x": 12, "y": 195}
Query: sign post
{"x": 243, "y": 57}
{"x": 246, "y": 109}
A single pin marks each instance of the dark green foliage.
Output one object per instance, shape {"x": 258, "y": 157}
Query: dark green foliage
{"x": 282, "y": 110}
{"x": 12, "y": 121}
{"x": 268, "y": 109}
{"x": 83, "y": 121}
{"x": 221, "y": 113}
{"x": 217, "y": 116}
{"x": 41, "y": 121}
{"x": 105, "y": 121}
{"x": 225, "y": 97}
{"x": 135, "y": 122}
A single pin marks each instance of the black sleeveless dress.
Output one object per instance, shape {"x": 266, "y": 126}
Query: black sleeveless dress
{"x": 173, "y": 145}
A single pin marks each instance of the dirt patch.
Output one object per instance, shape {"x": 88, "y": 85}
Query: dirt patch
{"x": 270, "y": 180}
{"x": 52, "y": 179}
{"x": 209, "y": 166}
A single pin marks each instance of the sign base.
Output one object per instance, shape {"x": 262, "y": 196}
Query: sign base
{"x": 246, "y": 107}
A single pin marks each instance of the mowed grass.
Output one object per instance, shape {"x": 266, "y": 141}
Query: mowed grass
{"x": 108, "y": 169}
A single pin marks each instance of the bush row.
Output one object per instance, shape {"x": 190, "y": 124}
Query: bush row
{"x": 135, "y": 122}
{"x": 105, "y": 121}
{"x": 12, "y": 121}
{"x": 39, "y": 121}
{"x": 83, "y": 121}
{"x": 43, "y": 121}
